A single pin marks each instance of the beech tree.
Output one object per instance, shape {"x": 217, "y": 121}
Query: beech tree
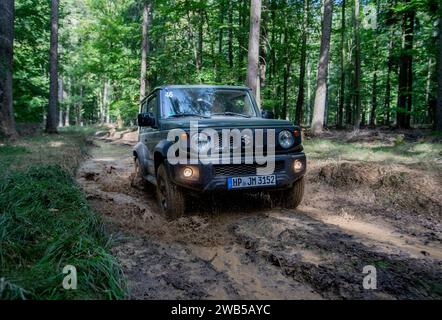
{"x": 145, "y": 48}
{"x": 253, "y": 56}
{"x": 439, "y": 73}
{"x": 7, "y": 122}
{"x": 321, "y": 82}
{"x": 51, "y": 120}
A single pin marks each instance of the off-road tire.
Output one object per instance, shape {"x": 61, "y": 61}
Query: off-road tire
{"x": 137, "y": 179}
{"x": 171, "y": 198}
{"x": 290, "y": 198}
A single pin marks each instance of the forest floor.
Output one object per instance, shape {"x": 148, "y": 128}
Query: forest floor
{"x": 372, "y": 198}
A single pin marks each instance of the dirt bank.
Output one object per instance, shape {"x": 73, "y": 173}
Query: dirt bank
{"x": 239, "y": 247}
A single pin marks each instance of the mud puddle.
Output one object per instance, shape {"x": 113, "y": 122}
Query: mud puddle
{"x": 238, "y": 247}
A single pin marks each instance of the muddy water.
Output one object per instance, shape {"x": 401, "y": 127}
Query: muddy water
{"x": 238, "y": 247}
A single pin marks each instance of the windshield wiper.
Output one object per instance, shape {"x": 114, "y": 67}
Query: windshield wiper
{"x": 231, "y": 114}
{"x": 186, "y": 114}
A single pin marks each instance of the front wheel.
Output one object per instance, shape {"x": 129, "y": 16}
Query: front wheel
{"x": 171, "y": 197}
{"x": 137, "y": 179}
{"x": 290, "y": 198}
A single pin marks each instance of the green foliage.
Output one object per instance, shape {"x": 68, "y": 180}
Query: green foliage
{"x": 46, "y": 224}
{"x": 31, "y": 52}
{"x": 100, "y": 44}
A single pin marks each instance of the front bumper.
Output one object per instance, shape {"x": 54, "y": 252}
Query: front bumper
{"x": 212, "y": 177}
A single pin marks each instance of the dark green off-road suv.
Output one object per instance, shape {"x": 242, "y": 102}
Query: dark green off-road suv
{"x": 196, "y": 139}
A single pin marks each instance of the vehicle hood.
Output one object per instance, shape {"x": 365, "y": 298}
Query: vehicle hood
{"x": 225, "y": 123}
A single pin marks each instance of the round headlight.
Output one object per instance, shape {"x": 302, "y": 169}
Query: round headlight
{"x": 286, "y": 139}
{"x": 200, "y": 142}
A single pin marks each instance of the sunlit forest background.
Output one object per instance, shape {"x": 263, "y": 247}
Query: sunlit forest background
{"x": 206, "y": 41}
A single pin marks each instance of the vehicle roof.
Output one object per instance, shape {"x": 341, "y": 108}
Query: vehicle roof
{"x": 201, "y": 86}
{"x": 194, "y": 86}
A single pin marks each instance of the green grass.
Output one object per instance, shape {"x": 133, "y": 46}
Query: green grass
{"x": 46, "y": 224}
{"x": 403, "y": 152}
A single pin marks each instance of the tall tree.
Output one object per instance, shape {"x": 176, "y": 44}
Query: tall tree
{"x": 253, "y": 56}
{"x": 374, "y": 94}
{"x": 390, "y": 64}
{"x": 7, "y": 122}
{"x": 321, "y": 82}
{"x": 51, "y": 120}
{"x": 230, "y": 48}
{"x": 342, "y": 69}
{"x": 301, "y": 91}
{"x": 357, "y": 66}
{"x": 201, "y": 16}
{"x": 286, "y": 72}
{"x": 145, "y": 48}
{"x": 439, "y": 74}
{"x": 405, "y": 89}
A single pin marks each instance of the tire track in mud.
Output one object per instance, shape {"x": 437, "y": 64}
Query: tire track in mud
{"x": 238, "y": 247}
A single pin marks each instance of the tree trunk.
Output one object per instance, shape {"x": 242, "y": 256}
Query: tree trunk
{"x": 79, "y": 120}
{"x": 342, "y": 69}
{"x": 374, "y": 101}
{"x": 388, "y": 81}
{"x": 221, "y": 30}
{"x": 106, "y": 100}
{"x": 263, "y": 54}
{"x": 374, "y": 97}
{"x": 199, "y": 60}
{"x": 301, "y": 91}
{"x": 217, "y": 62}
{"x": 428, "y": 94}
{"x": 438, "y": 121}
{"x": 51, "y": 121}
{"x": 253, "y": 57}
{"x": 60, "y": 99}
{"x": 242, "y": 16}
{"x": 405, "y": 95}
{"x": 7, "y": 122}
{"x": 231, "y": 33}
{"x": 309, "y": 93}
{"x": 67, "y": 119}
{"x": 285, "y": 89}
{"x": 145, "y": 48}
{"x": 321, "y": 83}
{"x": 357, "y": 65}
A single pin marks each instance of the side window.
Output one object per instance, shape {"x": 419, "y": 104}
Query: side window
{"x": 144, "y": 107}
{"x": 152, "y": 105}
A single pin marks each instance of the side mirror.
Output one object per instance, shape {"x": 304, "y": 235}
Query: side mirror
{"x": 146, "y": 119}
{"x": 267, "y": 114}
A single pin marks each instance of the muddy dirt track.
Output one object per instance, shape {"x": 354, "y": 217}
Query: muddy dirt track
{"x": 240, "y": 247}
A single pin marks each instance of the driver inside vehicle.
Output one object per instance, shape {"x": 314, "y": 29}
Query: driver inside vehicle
{"x": 217, "y": 107}
{"x": 206, "y": 103}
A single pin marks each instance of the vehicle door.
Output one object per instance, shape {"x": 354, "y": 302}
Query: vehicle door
{"x": 148, "y": 135}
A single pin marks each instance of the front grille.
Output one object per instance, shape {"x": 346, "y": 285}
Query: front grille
{"x": 243, "y": 169}
{"x": 245, "y": 141}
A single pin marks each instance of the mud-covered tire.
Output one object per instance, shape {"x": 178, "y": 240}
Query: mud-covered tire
{"x": 290, "y": 198}
{"x": 137, "y": 179}
{"x": 171, "y": 198}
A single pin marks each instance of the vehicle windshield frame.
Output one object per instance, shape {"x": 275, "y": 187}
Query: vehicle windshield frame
{"x": 254, "y": 108}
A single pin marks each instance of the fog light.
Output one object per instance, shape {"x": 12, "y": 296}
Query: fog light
{"x": 187, "y": 172}
{"x": 298, "y": 166}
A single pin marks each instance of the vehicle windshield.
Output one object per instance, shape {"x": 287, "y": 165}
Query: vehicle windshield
{"x": 207, "y": 102}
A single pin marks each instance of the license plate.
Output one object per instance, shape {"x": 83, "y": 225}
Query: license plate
{"x": 250, "y": 182}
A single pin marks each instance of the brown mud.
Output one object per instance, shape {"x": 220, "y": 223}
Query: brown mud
{"x": 239, "y": 247}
